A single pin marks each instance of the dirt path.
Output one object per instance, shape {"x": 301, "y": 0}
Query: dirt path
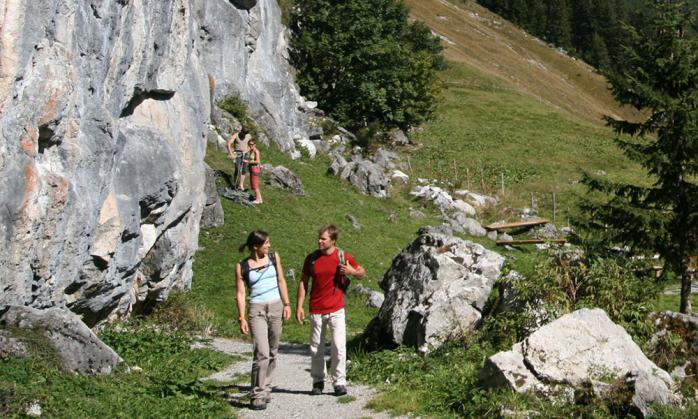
{"x": 291, "y": 392}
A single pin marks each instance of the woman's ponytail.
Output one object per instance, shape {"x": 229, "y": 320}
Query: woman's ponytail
{"x": 254, "y": 239}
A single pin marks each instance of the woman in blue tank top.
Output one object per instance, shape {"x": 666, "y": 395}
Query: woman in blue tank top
{"x": 261, "y": 271}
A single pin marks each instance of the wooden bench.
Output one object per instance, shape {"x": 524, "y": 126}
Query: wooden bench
{"x": 517, "y": 224}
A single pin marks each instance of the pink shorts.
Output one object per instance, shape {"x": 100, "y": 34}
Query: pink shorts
{"x": 254, "y": 177}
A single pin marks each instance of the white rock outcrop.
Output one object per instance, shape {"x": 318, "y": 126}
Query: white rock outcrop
{"x": 435, "y": 291}
{"x": 581, "y": 347}
{"x": 105, "y": 111}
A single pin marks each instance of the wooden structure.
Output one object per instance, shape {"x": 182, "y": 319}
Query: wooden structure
{"x": 517, "y": 224}
{"x": 529, "y": 241}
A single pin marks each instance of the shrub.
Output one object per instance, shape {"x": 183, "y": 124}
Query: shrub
{"x": 364, "y": 61}
{"x": 567, "y": 281}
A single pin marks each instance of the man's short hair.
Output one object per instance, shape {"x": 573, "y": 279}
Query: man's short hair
{"x": 331, "y": 230}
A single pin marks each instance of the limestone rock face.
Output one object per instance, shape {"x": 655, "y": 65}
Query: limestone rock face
{"x": 579, "y": 348}
{"x": 105, "y": 110}
{"x": 435, "y": 291}
{"x": 79, "y": 349}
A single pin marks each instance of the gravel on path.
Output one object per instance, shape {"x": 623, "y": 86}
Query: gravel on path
{"x": 291, "y": 396}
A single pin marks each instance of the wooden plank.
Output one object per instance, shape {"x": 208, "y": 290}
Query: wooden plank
{"x": 530, "y": 241}
{"x": 516, "y": 224}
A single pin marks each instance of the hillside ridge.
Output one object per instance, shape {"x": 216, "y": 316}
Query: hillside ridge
{"x": 475, "y": 36}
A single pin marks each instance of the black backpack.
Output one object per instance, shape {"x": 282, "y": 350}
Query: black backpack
{"x": 340, "y": 282}
{"x": 245, "y": 267}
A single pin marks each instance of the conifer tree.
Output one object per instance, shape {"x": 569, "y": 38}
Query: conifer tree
{"x": 660, "y": 78}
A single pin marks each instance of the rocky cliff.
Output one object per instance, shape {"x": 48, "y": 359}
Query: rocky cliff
{"x": 104, "y": 114}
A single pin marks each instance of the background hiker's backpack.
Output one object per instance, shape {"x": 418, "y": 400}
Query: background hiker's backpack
{"x": 340, "y": 282}
{"x": 245, "y": 267}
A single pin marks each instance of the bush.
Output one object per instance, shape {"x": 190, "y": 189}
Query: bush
{"x": 364, "y": 61}
{"x": 567, "y": 281}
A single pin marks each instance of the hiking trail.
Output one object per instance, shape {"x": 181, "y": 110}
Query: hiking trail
{"x": 291, "y": 396}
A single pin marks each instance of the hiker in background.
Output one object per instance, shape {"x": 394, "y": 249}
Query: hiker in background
{"x": 253, "y": 161}
{"x": 237, "y": 147}
{"x": 261, "y": 271}
{"x": 328, "y": 267}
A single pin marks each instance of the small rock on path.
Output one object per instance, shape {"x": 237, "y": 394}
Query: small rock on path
{"x": 291, "y": 386}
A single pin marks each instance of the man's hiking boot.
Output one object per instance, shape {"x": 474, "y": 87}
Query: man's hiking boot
{"x": 317, "y": 388}
{"x": 258, "y": 404}
{"x": 340, "y": 390}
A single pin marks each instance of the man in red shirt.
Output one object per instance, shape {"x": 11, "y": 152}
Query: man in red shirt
{"x": 327, "y": 307}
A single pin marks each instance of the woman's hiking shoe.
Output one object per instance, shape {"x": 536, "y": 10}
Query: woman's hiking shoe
{"x": 317, "y": 388}
{"x": 258, "y": 404}
{"x": 340, "y": 390}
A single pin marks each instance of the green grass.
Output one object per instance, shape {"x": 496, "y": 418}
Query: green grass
{"x": 485, "y": 129}
{"x": 168, "y": 386}
{"x": 292, "y": 223}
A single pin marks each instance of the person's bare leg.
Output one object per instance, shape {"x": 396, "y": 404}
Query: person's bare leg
{"x": 241, "y": 186}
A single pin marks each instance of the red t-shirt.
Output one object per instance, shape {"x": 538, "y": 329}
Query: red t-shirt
{"x": 324, "y": 297}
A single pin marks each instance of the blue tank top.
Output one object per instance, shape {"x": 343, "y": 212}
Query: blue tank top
{"x": 263, "y": 284}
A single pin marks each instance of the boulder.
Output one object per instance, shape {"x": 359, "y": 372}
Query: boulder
{"x": 385, "y": 159}
{"x": 443, "y": 200}
{"x": 435, "y": 290}
{"x": 308, "y": 146}
{"x": 575, "y": 350}
{"x": 79, "y": 349}
{"x": 283, "y": 178}
{"x": 354, "y": 222}
{"x": 398, "y": 137}
{"x": 398, "y": 176}
{"x": 367, "y": 177}
{"x": 475, "y": 199}
{"x": 337, "y": 165}
{"x": 212, "y": 214}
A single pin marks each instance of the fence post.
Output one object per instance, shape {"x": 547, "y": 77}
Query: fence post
{"x": 554, "y": 207}
{"x": 502, "y": 175}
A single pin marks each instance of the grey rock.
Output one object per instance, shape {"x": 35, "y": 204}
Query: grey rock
{"x": 398, "y": 137}
{"x": 492, "y": 235}
{"x": 283, "y": 178}
{"x": 375, "y": 299}
{"x": 546, "y": 232}
{"x": 435, "y": 291}
{"x": 574, "y": 350}
{"x": 398, "y": 176}
{"x": 239, "y": 197}
{"x": 475, "y": 199}
{"x": 367, "y": 178}
{"x": 107, "y": 111}
{"x": 416, "y": 214}
{"x": 443, "y": 200}
{"x": 338, "y": 164}
{"x": 11, "y": 347}
{"x": 354, "y": 222}
{"x": 212, "y": 214}
{"x": 385, "y": 159}
{"x": 79, "y": 349}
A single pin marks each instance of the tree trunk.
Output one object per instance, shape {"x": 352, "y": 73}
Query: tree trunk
{"x": 686, "y": 278}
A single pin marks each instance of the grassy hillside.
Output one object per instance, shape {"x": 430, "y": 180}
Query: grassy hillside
{"x": 511, "y": 106}
{"x": 483, "y": 41}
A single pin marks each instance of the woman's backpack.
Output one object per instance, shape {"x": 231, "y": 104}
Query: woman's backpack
{"x": 245, "y": 267}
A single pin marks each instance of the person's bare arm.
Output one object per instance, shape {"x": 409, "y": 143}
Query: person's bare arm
{"x": 240, "y": 298}
{"x": 230, "y": 143}
{"x": 283, "y": 290}
{"x": 300, "y": 298}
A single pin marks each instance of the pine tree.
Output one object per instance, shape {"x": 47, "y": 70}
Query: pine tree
{"x": 660, "y": 78}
